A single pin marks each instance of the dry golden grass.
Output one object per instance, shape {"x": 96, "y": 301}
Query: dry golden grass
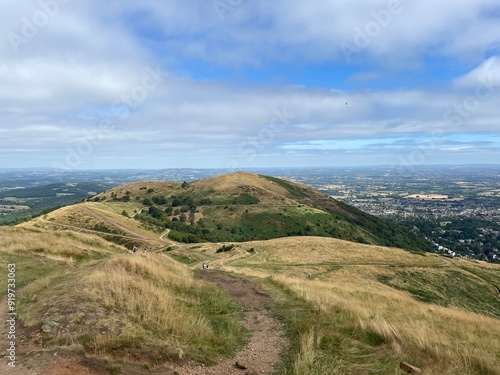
{"x": 98, "y": 218}
{"x": 441, "y": 340}
{"x": 131, "y": 224}
{"x": 234, "y": 180}
{"x": 131, "y": 208}
{"x": 318, "y": 250}
{"x": 140, "y": 307}
{"x": 66, "y": 246}
{"x": 141, "y": 288}
{"x": 268, "y": 192}
{"x": 149, "y": 305}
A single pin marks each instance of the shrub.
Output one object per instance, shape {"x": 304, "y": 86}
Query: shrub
{"x": 225, "y": 248}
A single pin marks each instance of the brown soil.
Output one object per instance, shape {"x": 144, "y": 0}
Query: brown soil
{"x": 260, "y": 356}
{"x": 267, "y": 341}
{"x": 32, "y": 360}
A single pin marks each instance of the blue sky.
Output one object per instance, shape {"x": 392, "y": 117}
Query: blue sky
{"x": 239, "y": 83}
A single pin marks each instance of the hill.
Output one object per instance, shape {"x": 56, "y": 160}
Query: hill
{"x": 101, "y": 219}
{"x": 345, "y": 308}
{"x": 77, "y": 293}
{"x": 246, "y": 206}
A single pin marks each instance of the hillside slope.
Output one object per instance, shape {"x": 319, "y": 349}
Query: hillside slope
{"x": 100, "y": 219}
{"x": 245, "y": 206}
{"x": 347, "y": 308}
{"x": 361, "y": 309}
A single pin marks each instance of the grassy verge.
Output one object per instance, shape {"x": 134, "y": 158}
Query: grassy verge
{"x": 28, "y": 269}
{"x": 346, "y": 329}
{"x": 326, "y": 343}
{"x": 38, "y": 253}
{"x": 376, "y": 307}
{"x": 447, "y": 287}
{"x": 140, "y": 308}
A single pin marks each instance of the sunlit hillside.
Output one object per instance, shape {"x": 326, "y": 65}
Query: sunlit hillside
{"x": 245, "y": 206}
{"x": 101, "y": 219}
{"x": 346, "y": 307}
{"x": 361, "y": 309}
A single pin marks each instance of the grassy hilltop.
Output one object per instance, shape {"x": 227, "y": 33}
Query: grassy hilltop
{"x": 245, "y": 206}
{"x": 345, "y": 307}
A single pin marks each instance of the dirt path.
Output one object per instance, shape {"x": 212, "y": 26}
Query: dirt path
{"x": 260, "y": 356}
{"x": 116, "y": 225}
{"x": 267, "y": 341}
{"x": 74, "y": 227}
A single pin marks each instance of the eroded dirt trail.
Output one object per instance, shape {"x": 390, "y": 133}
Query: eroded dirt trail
{"x": 267, "y": 341}
{"x": 260, "y": 356}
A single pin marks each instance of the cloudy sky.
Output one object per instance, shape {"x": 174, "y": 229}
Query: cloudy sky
{"x": 248, "y": 83}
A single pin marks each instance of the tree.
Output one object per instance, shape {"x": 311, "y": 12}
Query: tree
{"x": 156, "y": 212}
{"x": 159, "y": 199}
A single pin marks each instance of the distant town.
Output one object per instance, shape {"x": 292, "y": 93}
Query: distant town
{"x": 456, "y": 208}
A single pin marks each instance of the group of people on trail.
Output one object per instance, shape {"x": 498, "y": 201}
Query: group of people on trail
{"x": 135, "y": 249}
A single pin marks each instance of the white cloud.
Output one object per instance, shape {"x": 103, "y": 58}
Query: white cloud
{"x": 63, "y": 83}
{"x": 487, "y": 74}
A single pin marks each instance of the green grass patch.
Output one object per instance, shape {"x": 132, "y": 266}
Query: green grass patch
{"x": 294, "y": 190}
{"x": 489, "y": 275}
{"x": 246, "y": 199}
{"x": 28, "y": 269}
{"x": 449, "y": 288}
{"x": 183, "y": 259}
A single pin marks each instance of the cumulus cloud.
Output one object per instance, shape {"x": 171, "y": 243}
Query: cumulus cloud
{"x": 121, "y": 81}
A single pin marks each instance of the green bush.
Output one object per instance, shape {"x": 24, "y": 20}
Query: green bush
{"x": 225, "y": 248}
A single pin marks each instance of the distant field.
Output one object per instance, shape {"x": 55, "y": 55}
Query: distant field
{"x": 35, "y": 200}
{"x": 491, "y": 193}
{"x": 13, "y": 208}
{"x": 427, "y": 196}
